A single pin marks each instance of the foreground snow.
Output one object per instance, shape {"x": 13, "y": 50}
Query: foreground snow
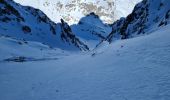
{"x": 134, "y": 69}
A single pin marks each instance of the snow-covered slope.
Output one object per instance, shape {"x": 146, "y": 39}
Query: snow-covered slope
{"x": 73, "y": 10}
{"x": 31, "y": 24}
{"x": 19, "y": 50}
{"x": 146, "y": 17}
{"x": 132, "y": 69}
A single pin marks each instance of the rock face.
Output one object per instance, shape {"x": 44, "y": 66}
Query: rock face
{"x": 72, "y": 10}
{"x": 147, "y": 16}
{"x": 27, "y": 23}
{"x": 68, "y": 36}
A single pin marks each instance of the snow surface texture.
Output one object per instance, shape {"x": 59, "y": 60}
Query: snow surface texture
{"x": 132, "y": 69}
{"x": 73, "y": 10}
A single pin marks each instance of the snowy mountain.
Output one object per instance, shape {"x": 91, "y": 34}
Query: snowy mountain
{"x": 91, "y": 29}
{"x": 81, "y": 15}
{"x": 27, "y": 23}
{"x": 132, "y": 69}
{"x": 146, "y": 17}
{"x": 135, "y": 67}
{"x": 73, "y": 10}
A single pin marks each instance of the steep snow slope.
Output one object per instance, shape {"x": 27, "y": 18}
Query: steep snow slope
{"x": 32, "y": 24}
{"x": 132, "y": 69}
{"x": 147, "y": 16}
{"x": 73, "y": 10}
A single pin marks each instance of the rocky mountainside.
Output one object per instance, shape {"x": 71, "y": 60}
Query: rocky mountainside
{"x": 73, "y": 10}
{"x": 147, "y": 16}
{"x": 26, "y": 23}
{"x": 67, "y": 35}
{"x": 87, "y": 18}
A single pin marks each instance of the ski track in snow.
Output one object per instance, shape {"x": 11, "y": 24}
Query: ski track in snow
{"x": 133, "y": 69}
